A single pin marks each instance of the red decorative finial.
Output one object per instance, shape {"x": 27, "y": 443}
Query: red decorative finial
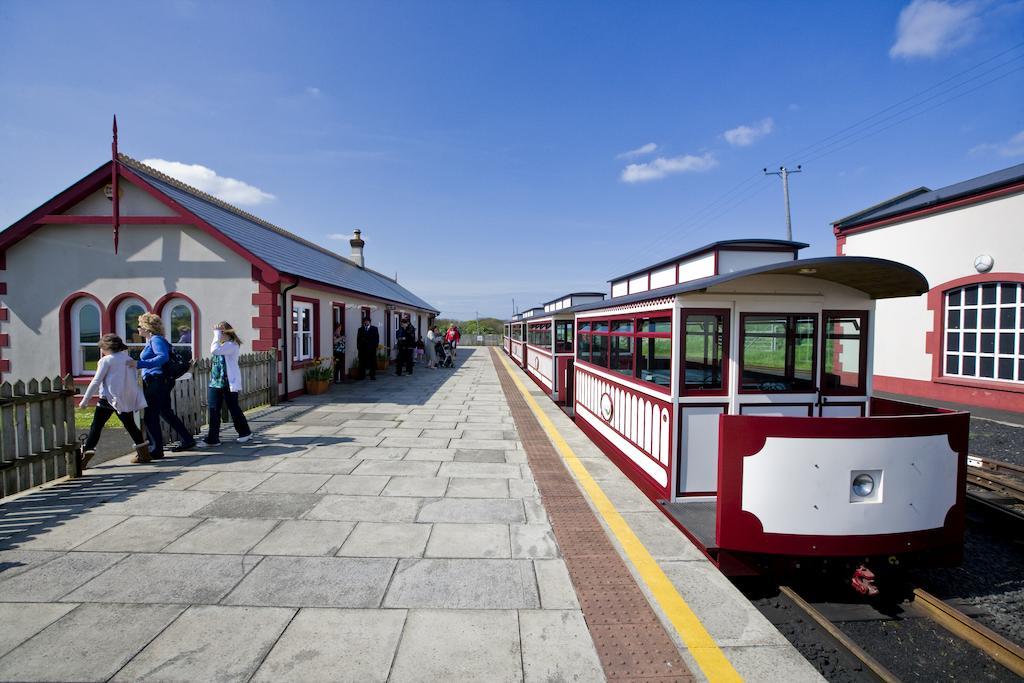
{"x": 115, "y": 213}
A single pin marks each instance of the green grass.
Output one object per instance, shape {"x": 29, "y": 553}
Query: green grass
{"x": 83, "y": 419}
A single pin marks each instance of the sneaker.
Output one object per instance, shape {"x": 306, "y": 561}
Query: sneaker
{"x": 183, "y": 446}
{"x": 203, "y": 443}
{"x": 244, "y": 439}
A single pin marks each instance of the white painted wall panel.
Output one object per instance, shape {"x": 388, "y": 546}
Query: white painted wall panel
{"x": 697, "y": 267}
{"x": 734, "y": 261}
{"x": 665, "y": 277}
{"x": 620, "y": 288}
{"x": 638, "y": 284}
{"x": 698, "y": 469}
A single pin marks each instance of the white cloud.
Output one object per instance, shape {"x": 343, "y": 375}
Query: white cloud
{"x": 661, "y": 167}
{"x": 206, "y": 179}
{"x": 742, "y": 136}
{"x": 1014, "y": 147}
{"x": 929, "y": 28}
{"x": 339, "y": 236}
{"x": 640, "y": 151}
{"x": 312, "y": 92}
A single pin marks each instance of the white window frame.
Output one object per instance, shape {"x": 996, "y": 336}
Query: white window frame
{"x": 76, "y": 335}
{"x": 1016, "y": 357}
{"x": 165, "y": 315}
{"x": 122, "y": 332}
{"x": 298, "y": 334}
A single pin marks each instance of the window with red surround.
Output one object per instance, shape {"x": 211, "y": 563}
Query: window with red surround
{"x": 844, "y": 357}
{"x": 705, "y": 352}
{"x": 636, "y": 346}
{"x": 777, "y": 352}
{"x": 305, "y": 330}
{"x": 983, "y": 336}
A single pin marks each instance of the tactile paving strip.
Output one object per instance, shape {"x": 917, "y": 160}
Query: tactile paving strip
{"x": 630, "y": 640}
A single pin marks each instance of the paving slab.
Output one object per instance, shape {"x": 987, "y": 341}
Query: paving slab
{"x": 402, "y": 468}
{"x": 164, "y": 578}
{"x": 14, "y": 562}
{"x": 291, "y": 482}
{"x": 231, "y": 481}
{"x": 304, "y": 537}
{"x": 557, "y": 647}
{"x": 535, "y": 541}
{"x": 485, "y": 470}
{"x": 555, "y": 585}
{"x": 304, "y": 465}
{"x": 219, "y": 535}
{"x": 69, "y": 533}
{"x": 380, "y": 453}
{"x": 477, "y": 646}
{"x": 430, "y": 454}
{"x": 366, "y": 509}
{"x": 314, "y": 582}
{"x": 463, "y": 584}
{"x": 478, "y": 488}
{"x": 426, "y": 487}
{"x": 469, "y": 540}
{"x": 93, "y": 642}
{"x": 50, "y": 581}
{"x": 341, "y": 484}
{"x": 379, "y": 539}
{"x": 262, "y": 505}
{"x": 141, "y": 534}
{"x": 209, "y": 643}
{"x": 349, "y": 646}
{"x": 472, "y": 510}
{"x": 161, "y": 503}
{"x": 23, "y": 620}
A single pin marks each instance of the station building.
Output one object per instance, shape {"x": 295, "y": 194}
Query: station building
{"x": 189, "y": 257}
{"x": 963, "y": 341}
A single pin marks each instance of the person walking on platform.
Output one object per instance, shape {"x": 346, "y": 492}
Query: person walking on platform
{"x": 405, "y": 341}
{"x": 157, "y": 388}
{"x": 225, "y": 385}
{"x": 117, "y": 383}
{"x": 430, "y": 347}
{"x": 339, "y": 354}
{"x": 367, "y": 340}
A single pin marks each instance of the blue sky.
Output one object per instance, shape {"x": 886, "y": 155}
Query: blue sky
{"x": 482, "y": 147}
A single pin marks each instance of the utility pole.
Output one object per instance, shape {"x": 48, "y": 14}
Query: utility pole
{"x": 783, "y": 173}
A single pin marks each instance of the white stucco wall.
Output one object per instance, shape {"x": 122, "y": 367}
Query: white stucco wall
{"x": 57, "y": 260}
{"x": 943, "y": 247}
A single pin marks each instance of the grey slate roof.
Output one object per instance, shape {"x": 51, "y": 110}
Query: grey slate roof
{"x": 876, "y": 277}
{"x": 284, "y": 251}
{"x": 919, "y": 199}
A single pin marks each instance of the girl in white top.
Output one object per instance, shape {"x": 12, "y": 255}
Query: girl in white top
{"x": 117, "y": 383}
{"x": 429, "y": 348}
{"x": 225, "y": 385}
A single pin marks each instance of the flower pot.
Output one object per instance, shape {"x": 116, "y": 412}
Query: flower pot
{"x": 355, "y": 373}
{"x": 382, "y": 363}
{"x": 317, "y": 386}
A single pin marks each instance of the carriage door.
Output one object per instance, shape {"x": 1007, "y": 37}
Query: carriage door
{"x": 844, "y": 360}
{"x": 778, "y": 363}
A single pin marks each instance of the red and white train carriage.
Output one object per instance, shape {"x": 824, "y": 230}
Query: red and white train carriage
{"x": 733, "y": 385}
{"x": 515, "y": 339}
{"x": 550, "y": 350}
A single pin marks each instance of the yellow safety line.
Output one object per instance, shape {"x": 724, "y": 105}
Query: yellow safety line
{"x": 699, "y": 642}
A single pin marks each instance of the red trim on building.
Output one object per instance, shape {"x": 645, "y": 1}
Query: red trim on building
{"x": 117, "y": 300}
{"x": 64, "y": 330}
{"x": 267, "y": 322}
{"x": 315, "y": 303}
{"x": 158, "y": 308}
{"x": 937, "y": 208}
{"x": 978, "y": 392}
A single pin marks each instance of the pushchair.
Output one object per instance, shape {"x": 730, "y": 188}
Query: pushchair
{"x": 444, "y": 355}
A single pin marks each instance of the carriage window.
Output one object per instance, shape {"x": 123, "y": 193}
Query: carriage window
{"x": 563, "y": 337}
{"x": 598, "y": 350}
{"x": 705, "y": 347}
{"x": 583, "y": 347}
{"x": 517, "y": 332}
{"x": 984, "y": 335}
{"x": 654, "y": 350}
{"x": 846, "y": 339}
{"x": 540, "y": 335}
{"x": 777, "y": 353}
{"x": 621, "y": 354}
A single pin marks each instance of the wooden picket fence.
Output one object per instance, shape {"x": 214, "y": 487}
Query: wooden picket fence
{"x": 37, "y": 433}
{"x": 37, "y": 419}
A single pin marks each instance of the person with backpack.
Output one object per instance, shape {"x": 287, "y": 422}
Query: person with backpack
{"x": 159, "y": 372}
{"x": 225, "y": 385}
{"x": 117, "y": 384}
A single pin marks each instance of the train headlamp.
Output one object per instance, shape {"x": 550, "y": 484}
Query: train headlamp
{"x": 863, "y": 485}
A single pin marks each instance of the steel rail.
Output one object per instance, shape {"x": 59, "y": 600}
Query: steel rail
{"x": 844, "y": 641}
{"x": 1007, "y": 653}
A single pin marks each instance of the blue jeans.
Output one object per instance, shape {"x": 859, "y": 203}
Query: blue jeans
{"x": 215, "y": 396}
{"x": 158, "y": 404}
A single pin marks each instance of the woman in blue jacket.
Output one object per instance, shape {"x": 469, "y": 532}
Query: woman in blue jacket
{"x": 157, "y": 388}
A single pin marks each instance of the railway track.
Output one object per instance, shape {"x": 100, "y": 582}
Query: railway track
{"x": 1006, "y": 653}
{"x": 1001, "y": 485}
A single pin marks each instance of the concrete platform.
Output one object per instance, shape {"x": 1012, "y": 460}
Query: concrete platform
{"x": 384, "y": 531}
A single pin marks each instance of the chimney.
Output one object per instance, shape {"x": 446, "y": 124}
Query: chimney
{"x": 357, "y": 248}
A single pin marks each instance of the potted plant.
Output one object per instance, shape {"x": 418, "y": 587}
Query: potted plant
{"x": 318, "y": 375}
{"x": 355, "y": 372}
{"x": 382, "y": 357}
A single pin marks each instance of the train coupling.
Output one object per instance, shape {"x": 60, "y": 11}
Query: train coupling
{"x": 863, "y": 581}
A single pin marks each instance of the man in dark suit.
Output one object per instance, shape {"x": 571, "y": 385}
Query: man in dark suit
{"x": 367, "y": 340}
{"x": 405, "y": 341}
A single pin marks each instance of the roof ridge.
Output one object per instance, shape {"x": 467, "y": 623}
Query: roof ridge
{"x": 185, "y": 187}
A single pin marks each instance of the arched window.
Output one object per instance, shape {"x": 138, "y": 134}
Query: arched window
{"x": 85, "y": 337}
{"x": 179, "y": 325}
{"x": 126, "y": 322}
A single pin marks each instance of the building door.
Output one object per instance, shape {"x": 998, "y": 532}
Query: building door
{"x": 338, "y": 330}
